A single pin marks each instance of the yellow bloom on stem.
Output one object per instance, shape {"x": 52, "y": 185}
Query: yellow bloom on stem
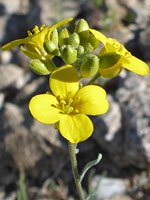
{"x": 34, "y": 42}
{"x": 126, "y": 60}
{"x": 69, "y": 104}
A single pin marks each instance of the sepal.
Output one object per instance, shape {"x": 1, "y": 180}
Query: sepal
{"x": 63, "y": 37}
{"x": 80, "y": 50}
{"x": 49, "y": 46}
{"x": 54, "y": 37}
{"x": 40, "y": 67}
{"x": 74, "y": 40}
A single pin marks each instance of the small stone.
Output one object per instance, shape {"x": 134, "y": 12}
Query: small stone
{"x": 6, "y": 57}
{"x": 8, "y": 75}
{"x": 108, "y": 187}
{"x": 2, "y": 98}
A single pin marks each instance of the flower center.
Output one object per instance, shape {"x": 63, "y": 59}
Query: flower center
{"x": 66, "y": 106}
{"x": 35, "y": 30}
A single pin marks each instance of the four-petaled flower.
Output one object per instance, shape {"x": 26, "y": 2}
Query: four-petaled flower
{"x": 35, "y": 40}
{"x": 126, "y": 60}
{"x": 69, "y": 104}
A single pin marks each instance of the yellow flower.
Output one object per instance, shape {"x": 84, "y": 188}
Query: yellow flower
{"x": 69, "y": 104}
{"x": 126, "y": 60}
{"x": 34, "y": 42}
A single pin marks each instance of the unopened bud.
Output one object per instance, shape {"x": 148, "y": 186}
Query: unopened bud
{"x": 69, "y": 54}
{"x": 82, "y": 29}
{"x": 74, "y": 40}
{"x": 81, "y": 26}
{"x": 63, "y": 37}
{"x": 108, "y": 60}
{"x": 40, "y": 67}
{"x": 90, "y": 66}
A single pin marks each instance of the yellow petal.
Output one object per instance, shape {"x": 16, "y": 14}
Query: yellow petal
{"x": 30, "y": 54}
{"x": 42, "y": 108}
{"x": 39, "y": 38}
{"x": 91, "y": 100}
{"x": 99, "y": 36}
{"x": 64, "y": 82}
{"x": 75, "y": 128}
{"x": 112, "y": 71}
{"x": 14, "y": 43}
{"x": 136, "y": 65}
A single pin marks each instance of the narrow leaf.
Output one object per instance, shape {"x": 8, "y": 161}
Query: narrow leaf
{"x": 89, "y": 165}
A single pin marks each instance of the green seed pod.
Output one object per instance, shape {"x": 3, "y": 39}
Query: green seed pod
{"x": 63, "y": 37}
{"x": 108, "y": 60}
{"x": 89, "y": 66}
{"x": 69, "y": 54}
{"x": 49, "y": 46}
{"x": 54, "y": 37}
{"x": 74, "y": 40}
{"x": 81, "y": 26}
{"x": 80, "y": 51}
{"x": 40, "y": 67}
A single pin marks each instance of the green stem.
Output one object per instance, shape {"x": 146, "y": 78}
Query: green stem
{"x": 94, "y": 79}
{"x": 75, "y": 170}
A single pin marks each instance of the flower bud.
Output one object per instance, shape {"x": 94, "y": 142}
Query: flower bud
{"x": 81, "y": 26}
{"x": 108, "y": 60}
{"x": 74, "y": 40}
{"x": 69, "y": 54}
{"x": 82, "y": 29}
{"x": 49, "y": 46}
{"x": 90, "y": 66}
{"x": 40, "y": 67}
{"x": 63, "y": 37}
{"x": 80, "y": 50}
{"x": 54, "y": 37}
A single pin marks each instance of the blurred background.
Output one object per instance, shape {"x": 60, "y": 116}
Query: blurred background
{"x": 37, "y": 151}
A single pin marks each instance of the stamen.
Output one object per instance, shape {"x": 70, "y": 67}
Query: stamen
{"x": 42, "y": 27}
{"x": 59, "y": 98}
{"x": 76, "y": 111}
{"x": 71, "y": 109}
{"x": 62, "y": 102}
{"x": 29, "y": 33}
{"x": 36, "y": 29}
{"x": 70, "y": 101}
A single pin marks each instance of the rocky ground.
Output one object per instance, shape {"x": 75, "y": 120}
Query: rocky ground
{"x": 122, "y": 135}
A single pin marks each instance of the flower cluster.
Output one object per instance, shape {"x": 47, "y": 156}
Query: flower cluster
{"x": 68, "y": 104}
